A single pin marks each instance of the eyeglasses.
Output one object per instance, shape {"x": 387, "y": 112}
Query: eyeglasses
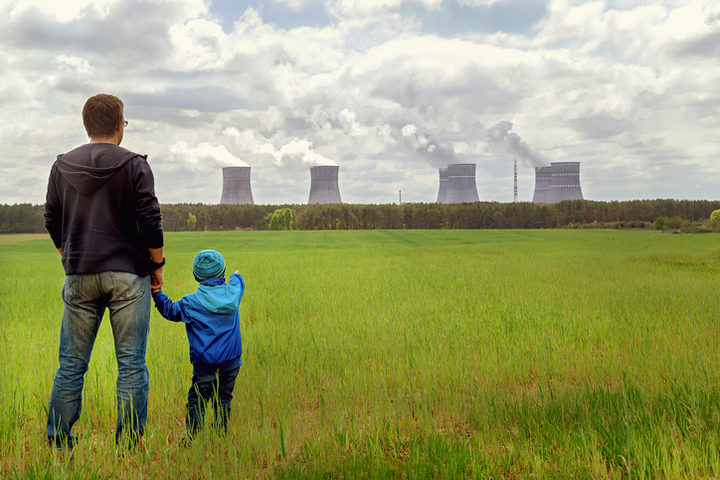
{"x": 125, "y": 123}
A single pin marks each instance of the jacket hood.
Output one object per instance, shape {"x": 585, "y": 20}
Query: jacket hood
{"x": 90, "y": 166}
{"x": 217, "y": 296}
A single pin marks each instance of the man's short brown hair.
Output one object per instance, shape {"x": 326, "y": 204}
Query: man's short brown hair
{"x": 102, "y": 114}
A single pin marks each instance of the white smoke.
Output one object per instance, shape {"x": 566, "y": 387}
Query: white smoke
{"x": 204, "y": 156}
{"x": 500, "y": 137}
{"x": 436, "y": 152}
{"x": 299, "y": 153}
{"x": 408, "y": 130}
{"x": 295, "y": 153}
{"x": 350, "y": 125}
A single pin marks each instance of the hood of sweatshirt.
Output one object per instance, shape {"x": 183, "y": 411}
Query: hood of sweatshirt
{"x": 217, "y": 296}
{"x": 90, "y": 166}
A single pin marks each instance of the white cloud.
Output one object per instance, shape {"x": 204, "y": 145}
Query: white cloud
{"x": 408, "y": 130}
{"x": 478, "y": 3}
{"x": 77, "y": 64}
{"x": 350, "y": 125}
{"x": 631, "y": 87}
{"x": 63, "y": 11}
{"x": 293, "y": 4}
{"x": 364, "y": 8}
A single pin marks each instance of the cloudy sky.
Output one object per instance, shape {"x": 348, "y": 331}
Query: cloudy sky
{"x": 389, "y": 90}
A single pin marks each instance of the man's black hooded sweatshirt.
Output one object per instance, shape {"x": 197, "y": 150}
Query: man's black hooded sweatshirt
{"x": 102, "y": 210}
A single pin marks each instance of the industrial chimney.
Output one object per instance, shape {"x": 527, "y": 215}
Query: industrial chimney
{"x": 324, "y": 185}
{"x": 515, "y": 192}
{"x": 442, "y": 191}
{"x": 461, "y": 186}
{"x": 565, "y": 181}
{"x": 236, "y": 186}
{"x": 542, "y": 185}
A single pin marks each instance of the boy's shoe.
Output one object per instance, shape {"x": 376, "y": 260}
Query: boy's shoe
{"x": 185, "y": 442}
{"x": 63, "y": 442}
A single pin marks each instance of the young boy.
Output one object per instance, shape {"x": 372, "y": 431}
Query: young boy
{"x": 212, "y": 323}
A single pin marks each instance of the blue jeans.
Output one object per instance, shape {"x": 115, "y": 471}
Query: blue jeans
{"x": 86, "y": 296}
{"x": 216, "y": 388}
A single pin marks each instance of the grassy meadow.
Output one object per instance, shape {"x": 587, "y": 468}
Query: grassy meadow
{"x": 401, "y": 354}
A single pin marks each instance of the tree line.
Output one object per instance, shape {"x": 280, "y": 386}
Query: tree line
{"x": 27, "y": 218}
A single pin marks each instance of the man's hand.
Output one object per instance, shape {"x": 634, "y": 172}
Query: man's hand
{"x": 156, "y": 280}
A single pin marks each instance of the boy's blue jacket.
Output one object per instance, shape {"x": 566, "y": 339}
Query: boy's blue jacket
{"x": 211, "y": 320}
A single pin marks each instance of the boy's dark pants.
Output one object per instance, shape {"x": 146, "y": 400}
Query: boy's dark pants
{"x": 216, "y": 388}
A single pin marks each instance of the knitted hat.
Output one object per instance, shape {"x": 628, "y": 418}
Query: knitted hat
{"x": 208, "y": 264}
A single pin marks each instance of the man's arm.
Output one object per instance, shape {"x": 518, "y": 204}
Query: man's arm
{"x": 148, "y": 217}
{"x": 147, "y": 208}
{"x": 53, "y": 212}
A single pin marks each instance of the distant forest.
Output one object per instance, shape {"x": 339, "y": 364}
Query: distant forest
{"x": 27, "y": 218}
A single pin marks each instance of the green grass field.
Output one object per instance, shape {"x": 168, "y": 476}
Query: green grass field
{"x": 402, "y": 354}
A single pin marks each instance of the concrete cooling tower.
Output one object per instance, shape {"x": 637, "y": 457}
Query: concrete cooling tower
{"x": 324, "y": 185}
{"x": 460, "y": 184}
{"x": 560, "y": 181}
{"x": 542, "y": 185}
{"x": 442, "y": 191}
{"x": 236, "y": 186}
{"x": 565, "y": 181}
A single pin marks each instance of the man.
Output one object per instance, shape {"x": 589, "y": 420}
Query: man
{"x": 103, "y": 216}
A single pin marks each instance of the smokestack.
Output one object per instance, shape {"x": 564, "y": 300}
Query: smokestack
{"x": 236, "y": 186}
{"x": 515, "y": 194}
{"x": 442, "y": 190}
{"x": 565, "y": 181}
{"x": 461, "y": 186}
{"x": 324, "y": 185}
{"x": 542, "y": 185}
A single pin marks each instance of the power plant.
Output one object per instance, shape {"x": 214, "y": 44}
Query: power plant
{"x": 236, "y": 186}
{"x": 457, "y": 184}
{"x": 560, "y": 181}
{"x": 324, "y": 185}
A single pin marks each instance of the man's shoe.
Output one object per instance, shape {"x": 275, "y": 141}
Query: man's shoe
{"x": 63, "y": 442}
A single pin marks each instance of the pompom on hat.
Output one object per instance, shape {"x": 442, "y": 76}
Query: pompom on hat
{"x": 208, "y": 264}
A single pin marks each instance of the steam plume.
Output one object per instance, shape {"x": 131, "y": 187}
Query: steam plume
{"x": 500, "y": 136}
{"x": 436, "y": 152}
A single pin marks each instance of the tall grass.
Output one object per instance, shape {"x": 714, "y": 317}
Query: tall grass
{"x": 420, "y": 354}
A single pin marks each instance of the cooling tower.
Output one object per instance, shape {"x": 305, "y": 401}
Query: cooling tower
{"x": 442, "y": 191}
{"x": 542, "y": 185}
{"x": 461, "y": 186}
{"x": 565, "y": 181}
{"x": 324, "y": 185}
{"x": 236, "y": 186}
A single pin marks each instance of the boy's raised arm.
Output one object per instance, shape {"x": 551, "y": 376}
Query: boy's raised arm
{"x": 236, "y": 279}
